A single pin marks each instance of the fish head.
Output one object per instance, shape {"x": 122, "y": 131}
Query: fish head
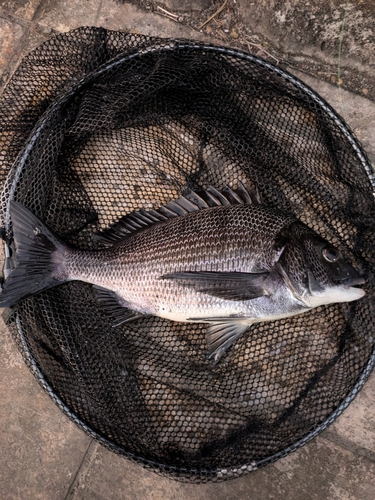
{"x": 317, "y": 271}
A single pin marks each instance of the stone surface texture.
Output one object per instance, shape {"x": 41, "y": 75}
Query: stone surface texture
{"x": 44, "y": 455}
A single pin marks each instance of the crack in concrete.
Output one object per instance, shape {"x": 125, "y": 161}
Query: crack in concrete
{"x": 98, "y": 12}
{"x": 9, "y": 16}
{"x": 82, "y": 470}
{"x": 342, "y": 442}
{"x": 19, "y": 50}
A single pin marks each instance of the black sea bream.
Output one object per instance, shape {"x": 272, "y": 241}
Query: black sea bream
{"x": 228, "y": 265}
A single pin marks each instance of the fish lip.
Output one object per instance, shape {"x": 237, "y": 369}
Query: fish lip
{"x": 348, "y": 282}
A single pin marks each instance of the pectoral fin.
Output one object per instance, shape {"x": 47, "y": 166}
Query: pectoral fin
{"x": 221, "y": 335}
{"x": 229, "y": 286}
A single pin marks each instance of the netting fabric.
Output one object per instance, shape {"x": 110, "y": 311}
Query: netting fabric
{"x": 95, "y": 124}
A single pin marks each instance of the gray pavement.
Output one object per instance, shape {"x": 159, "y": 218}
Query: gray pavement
{"x": 45, "y": 456}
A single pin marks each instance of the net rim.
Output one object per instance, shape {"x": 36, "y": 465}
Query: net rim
{"x": 182, "y": 44}
{"x": 167, "y": 45}
{"x": 180, "y": 473}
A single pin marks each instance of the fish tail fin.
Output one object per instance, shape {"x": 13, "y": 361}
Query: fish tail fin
{"x": 36, "y": 247}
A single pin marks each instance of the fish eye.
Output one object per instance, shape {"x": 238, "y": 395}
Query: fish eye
{"x": 330, "y": 254}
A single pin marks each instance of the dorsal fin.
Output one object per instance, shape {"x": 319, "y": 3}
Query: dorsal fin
{"x": 191, "y": 201}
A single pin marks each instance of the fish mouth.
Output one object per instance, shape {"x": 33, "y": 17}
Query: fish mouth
{"x": 348, "y": 282}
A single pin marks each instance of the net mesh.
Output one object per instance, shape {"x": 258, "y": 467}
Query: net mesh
{"x": 95, "y": 124}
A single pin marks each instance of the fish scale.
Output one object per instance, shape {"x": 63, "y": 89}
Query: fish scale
{"x": 229, "y": 265}
{"x": 235, "y": 242}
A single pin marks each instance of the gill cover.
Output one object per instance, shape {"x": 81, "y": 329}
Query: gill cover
{"x": 316, "y": 271}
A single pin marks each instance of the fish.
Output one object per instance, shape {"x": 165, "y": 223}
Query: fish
{"x": 222, "y": 258}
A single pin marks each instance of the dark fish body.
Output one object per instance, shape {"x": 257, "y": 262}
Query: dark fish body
{"x": 229, "y": 265}
{"x": 227, "y": 239}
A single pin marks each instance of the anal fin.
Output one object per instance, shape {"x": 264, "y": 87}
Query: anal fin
{"x": 114, "y": 306}
{"x": 220, "y": 335}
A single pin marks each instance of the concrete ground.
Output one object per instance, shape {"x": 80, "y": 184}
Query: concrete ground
{"x": 45, "y": 456}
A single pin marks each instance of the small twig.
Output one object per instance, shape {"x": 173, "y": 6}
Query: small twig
{"x": 214, "y": 15}
{"x": 221, "y": 35}
{"x": 258, "y": 46}
{"x": 166, "y": 13}
{"x": 339, "y": 81}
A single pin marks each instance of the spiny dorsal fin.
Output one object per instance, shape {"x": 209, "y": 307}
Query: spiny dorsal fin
{"x": 189, "y": 202}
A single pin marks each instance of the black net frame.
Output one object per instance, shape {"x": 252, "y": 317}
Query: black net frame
{"x": 93, "y": 114}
